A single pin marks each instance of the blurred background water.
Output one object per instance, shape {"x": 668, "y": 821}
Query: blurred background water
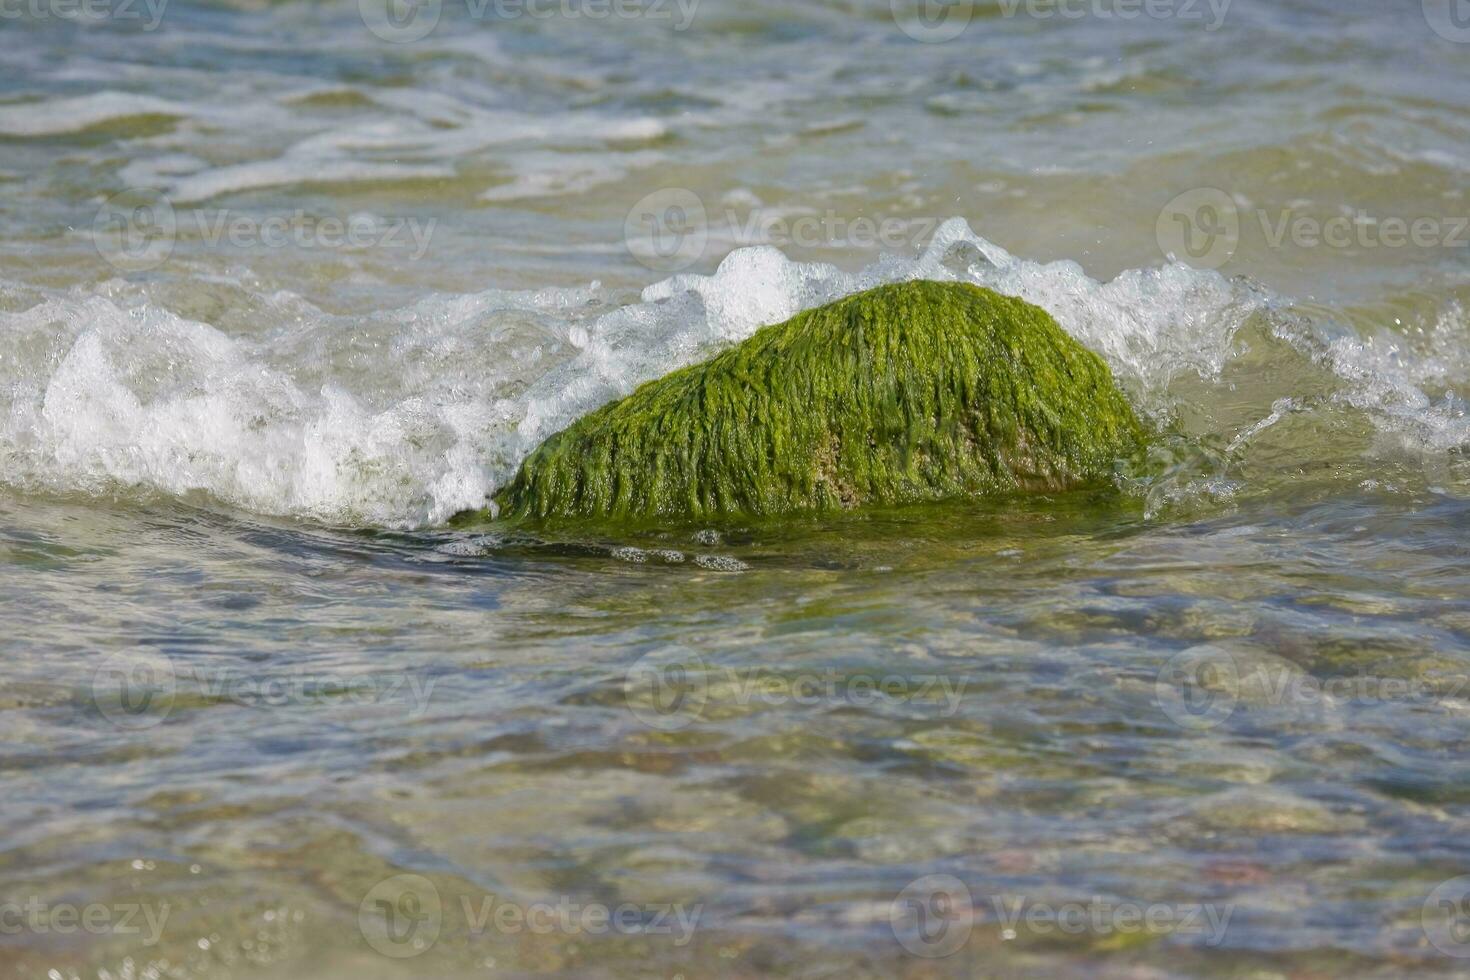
{"x": 284, "y": 286}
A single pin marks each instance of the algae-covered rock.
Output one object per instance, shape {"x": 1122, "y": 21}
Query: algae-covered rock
{"x": 909, "y": 392}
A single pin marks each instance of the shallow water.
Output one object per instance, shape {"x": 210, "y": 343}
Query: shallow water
{"x": 265, "y": 713}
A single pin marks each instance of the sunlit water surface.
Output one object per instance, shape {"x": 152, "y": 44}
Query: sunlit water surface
{"x": 253, "y": 677}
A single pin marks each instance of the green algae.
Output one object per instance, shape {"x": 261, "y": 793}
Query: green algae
{"x": 916, "y": 391}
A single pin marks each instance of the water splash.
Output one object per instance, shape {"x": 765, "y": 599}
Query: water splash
{"x": 404, "y": 418}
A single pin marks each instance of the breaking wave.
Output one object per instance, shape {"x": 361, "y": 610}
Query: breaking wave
{"x": 402, "y": 419}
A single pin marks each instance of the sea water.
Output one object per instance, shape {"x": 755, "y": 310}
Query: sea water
{"x": 284, "y": 286}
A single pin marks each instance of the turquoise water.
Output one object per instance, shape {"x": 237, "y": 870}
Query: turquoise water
{"x": 279, "y": 296}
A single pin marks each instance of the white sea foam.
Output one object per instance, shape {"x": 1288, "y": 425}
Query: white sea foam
{"x": 540, "y": 174}
{"x": 416, "y": 134}
{"x": 51, "y": 117}
{"x": 414, "y": 145}
{"x": 404, "y": 418}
